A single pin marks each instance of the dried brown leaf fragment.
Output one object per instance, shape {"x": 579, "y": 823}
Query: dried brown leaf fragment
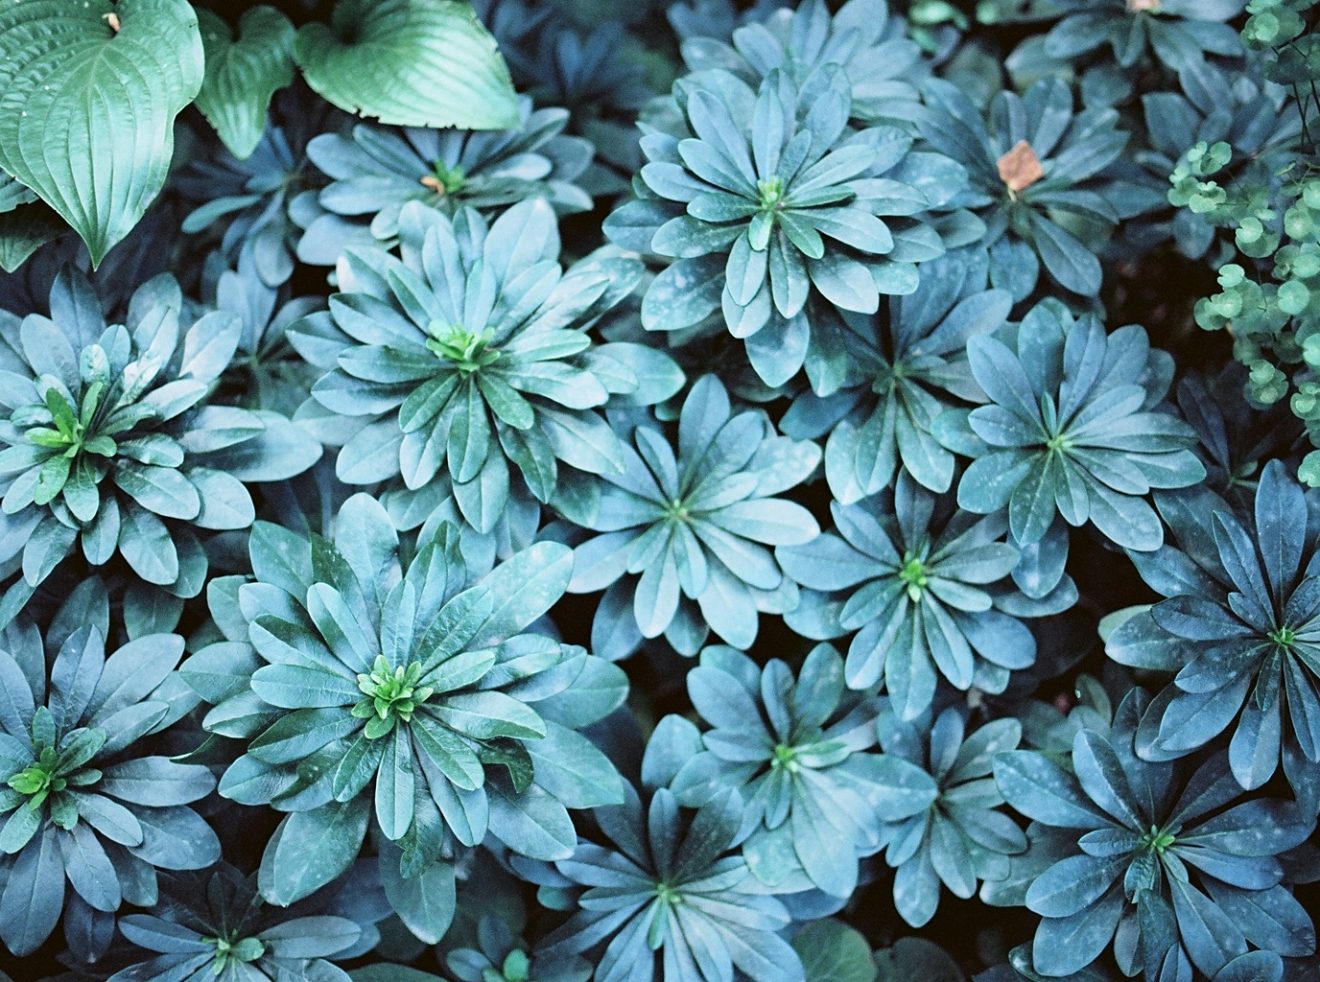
{"x": 1020, "y": 167}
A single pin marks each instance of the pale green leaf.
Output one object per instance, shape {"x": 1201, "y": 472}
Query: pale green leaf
{"x": 409, "y": 63}
{"x": 243, "y": 73}
{"x": 88, "y": 96}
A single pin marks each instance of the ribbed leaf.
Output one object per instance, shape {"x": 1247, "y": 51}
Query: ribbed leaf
{"x": 90, "y": 92}
{"x": 243, "y": 73}
{"x": 409, "y": 63}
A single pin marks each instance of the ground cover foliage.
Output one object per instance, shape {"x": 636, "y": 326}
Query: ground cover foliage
{"x": 688, "y": 489}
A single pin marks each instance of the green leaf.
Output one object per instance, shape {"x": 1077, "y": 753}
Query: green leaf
{"x": 489, "y": 716}
{"x": 162, "y": 490}
{"x": 394, "y": 786}
{"x": 514, "y": 758}
{"x": 34, "y": 895}
{"x": 454, "y": 758}
{"x": 426, "y": 902}
{"x": 303, "y": 687}
{"x": 388, "y": 972}
{"x": 831, "y": 951}
{"x": 532, "y": 823}
{"x": 915, "y": 958}
{"x": 146, "y": 543}
{"x": 683, "y": 294}
{"x": 19, "y": 828}
{"x": 523, "y": 588}
{"x": 90, "y": 95}
{"x": 311, "y": 848}
{"x": 1071, "y": 263}
{"x": 409, "y": 63}
{"x": 24, "y": 230}
{"x": 570, "y": 767}
{"x": 243, "y": 74}
{"x": 13, "y": 194}
{"x": 299, "y": 733}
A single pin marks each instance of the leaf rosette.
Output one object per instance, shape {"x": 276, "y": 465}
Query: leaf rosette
{"x": 214, "y": 925}
{"x": 1257, "y": 118}
{"x": 882, "y": 383}
{"x": 1040, "y": 176}
{"x": 1162, "y": 858}
{"x": 253, "y": 206}
{"x": 1178, "y": 33}
{"x": 764, "y": 198}
{"x": 953, "y": 832}
{"x": 82, "y": 804}
{"x": 665, "y": 883}
{"x": 374, "y": 172}
{"x": 1074, "y": 433}
{"x": 685, "y": 532}
{"x": 498, "y": 956}
{"x": 926, "y": 588}
{"x": 881, "y": 63}
{"x": 115, "y": 444}
{"x": 378, "y": 678}
{"x": 797, "y": 751}
{"x": 1238, "y": 628}
{"x": 473, "y": 353}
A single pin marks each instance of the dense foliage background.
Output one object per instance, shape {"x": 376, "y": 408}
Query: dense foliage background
{"x": 688, "y": 490}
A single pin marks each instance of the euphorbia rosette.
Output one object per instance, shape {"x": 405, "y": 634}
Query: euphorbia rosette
{"x": 766, "y": 199}
{"x": 1163, "y": 858}
{"x": 80, "y": 797}
{"x": 926, "y": 587}
{"x": 114, "y": 444}
{"x": 375, "y": 677}
{"x": 1076, "y": 432}
{"x": 1239, "y": 627}
{"x": 663, "y": 885}
{"x": 214, "y": 926}
{"x": 686, "y": 530}
{"x": 471, "y": 354}
{"x": 376, "y": 171}
{"x": 873, "y": 48}
{"x": 953, "y": 832}
{"x": 798, "y": 751}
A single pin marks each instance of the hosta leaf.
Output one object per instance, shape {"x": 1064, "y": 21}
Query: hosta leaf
{"x": 243, "y": 73}
{"x": 409, "y": 63}
{"x": 90, "y": 92}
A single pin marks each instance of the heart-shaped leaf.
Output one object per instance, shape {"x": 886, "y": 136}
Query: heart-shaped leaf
{"x": 243, "y": 74}
{"x": 409, "y": 63}
{"x": 88, "y": 96}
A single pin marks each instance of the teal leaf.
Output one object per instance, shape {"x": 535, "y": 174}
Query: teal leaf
{"x": 311, "y": 848}
{"x": 409, "y": 63}
{"x": 831, "y": 951}
{"x": 243, "y": 72}
{"x": 90, "y": 95}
